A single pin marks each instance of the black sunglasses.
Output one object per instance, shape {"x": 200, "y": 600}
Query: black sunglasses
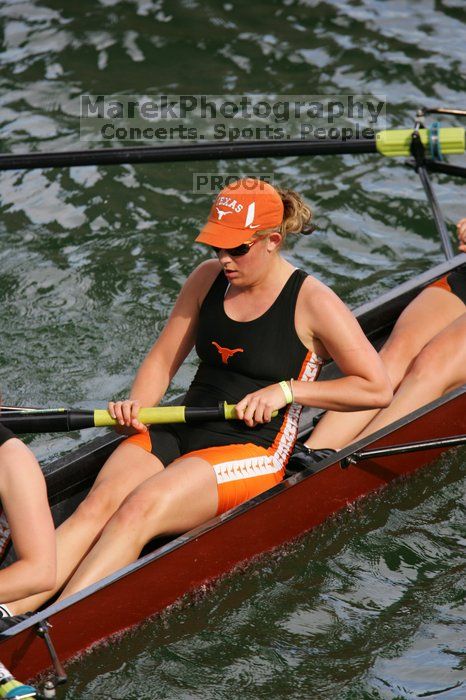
{"x": 239, "y": 250}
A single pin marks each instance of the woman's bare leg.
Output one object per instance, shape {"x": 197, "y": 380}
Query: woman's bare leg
{"x": 24, "y": 499}
{"x": 181, "y": 497}
{"x": 125, "y": 469}
{"x": 431, "y": 311}
{"x": 439, "y": 368}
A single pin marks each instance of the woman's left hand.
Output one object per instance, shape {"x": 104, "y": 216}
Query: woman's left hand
{"x": 258, "y": 407}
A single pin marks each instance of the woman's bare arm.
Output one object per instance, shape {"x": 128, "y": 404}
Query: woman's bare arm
{"x": 365, "y": 383}
{"x": 329, "y": 326}
{"x": 170, "y": 349}
{"x": 24, "y": 499}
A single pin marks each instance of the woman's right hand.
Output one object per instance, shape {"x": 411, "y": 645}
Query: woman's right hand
{"x": 126, "y": 413}
{"x": 461, "y": 229}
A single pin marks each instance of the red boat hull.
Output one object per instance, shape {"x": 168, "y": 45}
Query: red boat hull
{"x": 287, "y": 511}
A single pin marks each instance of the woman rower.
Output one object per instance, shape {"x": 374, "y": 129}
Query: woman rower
{"x": 24, "y": 500}
{"x": 425, "y": 357}
{"x": 262, "y": 330}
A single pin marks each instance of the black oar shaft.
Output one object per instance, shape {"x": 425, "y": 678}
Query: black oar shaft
{"x": 193, "y": 414}
{"x": 47, "y": 421}
{"x": 435, "y": 166}
{"x": 198, "y": 151}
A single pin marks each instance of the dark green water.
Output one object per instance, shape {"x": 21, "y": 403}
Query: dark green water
{"x": 371, "y": 605}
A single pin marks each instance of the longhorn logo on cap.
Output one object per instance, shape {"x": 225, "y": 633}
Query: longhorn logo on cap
{"x": 221, "y": 213}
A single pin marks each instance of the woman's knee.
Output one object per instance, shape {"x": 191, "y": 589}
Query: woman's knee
{"x": 430, "y": 366}
{"x": 140, "y": 515}
{"x": 397, "y": 355}
{"x": 99, "y": 504}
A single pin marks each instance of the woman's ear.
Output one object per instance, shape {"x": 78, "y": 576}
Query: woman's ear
{"x": 273, "y": 241}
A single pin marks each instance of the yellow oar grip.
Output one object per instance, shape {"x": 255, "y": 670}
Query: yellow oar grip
{"x": 397, "y": 142}
{"x": 161, "y": 414}
{"x": 230, "y": 412}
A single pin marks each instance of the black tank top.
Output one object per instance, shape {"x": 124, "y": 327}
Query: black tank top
{"x": 238, "y": 357}
{"x": 457, "y": 282}
{"x": 454, "y": 282}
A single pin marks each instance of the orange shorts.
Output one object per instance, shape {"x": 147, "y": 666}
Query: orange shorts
{"x": 242, "y": 470}
{"x": 442, "y": 283}
{"x": 454, "y": 282}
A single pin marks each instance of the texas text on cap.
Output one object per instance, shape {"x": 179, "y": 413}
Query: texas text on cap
{"x": 241, "y": 209}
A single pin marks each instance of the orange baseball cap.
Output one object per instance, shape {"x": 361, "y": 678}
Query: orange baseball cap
{"x": 241, "y": 208}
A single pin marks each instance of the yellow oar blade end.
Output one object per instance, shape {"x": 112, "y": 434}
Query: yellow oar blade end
{"x": 396, "y": 142}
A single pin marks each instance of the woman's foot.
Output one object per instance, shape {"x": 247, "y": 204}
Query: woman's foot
{"x": 304, "y": 457}
{"x": 12, "y": 689}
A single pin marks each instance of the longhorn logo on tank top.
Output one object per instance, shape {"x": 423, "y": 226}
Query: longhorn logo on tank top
{"x": 226, "y": 353}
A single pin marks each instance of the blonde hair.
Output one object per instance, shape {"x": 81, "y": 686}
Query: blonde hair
{"x": 297, "y": 214}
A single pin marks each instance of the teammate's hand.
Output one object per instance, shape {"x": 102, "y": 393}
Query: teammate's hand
{"x": 126, "y": 413}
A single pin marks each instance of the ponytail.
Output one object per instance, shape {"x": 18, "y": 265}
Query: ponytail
{"x": 297, "y": 214}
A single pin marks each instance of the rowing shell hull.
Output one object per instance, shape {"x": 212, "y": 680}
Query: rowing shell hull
{"x": 162, "y": 577}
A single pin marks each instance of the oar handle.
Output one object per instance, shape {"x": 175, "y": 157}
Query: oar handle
{"x": 63, "y": 419}
{"x": 174, "y": 414}
{"x": 161, "y": 414}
